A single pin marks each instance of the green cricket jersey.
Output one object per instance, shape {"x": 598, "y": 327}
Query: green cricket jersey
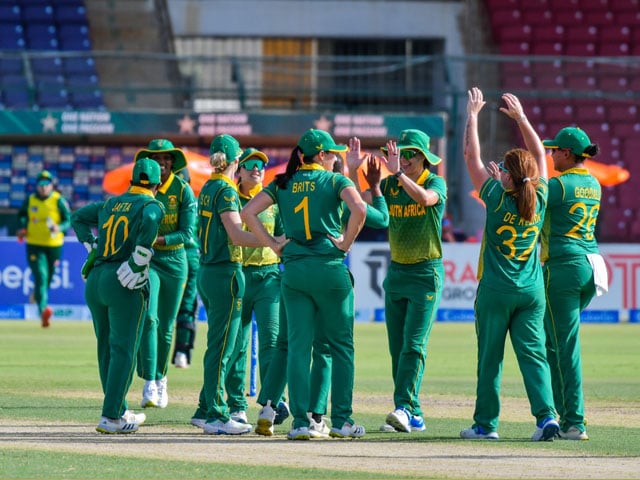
{"x": 310, "y": 208}
{"x": 572, "y": 212}
{"x": 509, "y": 251}
{"x": 124, "y": 221}
{"x": 180, "y": 211}
{"x": 415, "y": 231}
{"x": 218, "y": 195}
{"x": 270, "y": 218}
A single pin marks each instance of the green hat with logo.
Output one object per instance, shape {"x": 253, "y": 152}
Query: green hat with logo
{"x": 413, "y": 139}
{"x": 573, "y": 138}
{"x": 44, "y": 178}
{"x": 314, "y": 141}
{"x": 146, "y": 172}
{"x": 226, "y": 144}
{"x": 162, "y": 145}
{"x": 250, "y": 153}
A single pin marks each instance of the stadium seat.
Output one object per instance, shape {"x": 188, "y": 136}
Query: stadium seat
{"x": 10, "y": 13}
{"x": 614, "y": 49}
{"x": 11, "y": 66}
{"x": 70, "y": 13}
{"x": 37, "y": 12}
{"x": 580, "y": 49}
{"x": 11, "y": 36}
{"x": 615, "y": 34}
{"x": 47, "y": 66}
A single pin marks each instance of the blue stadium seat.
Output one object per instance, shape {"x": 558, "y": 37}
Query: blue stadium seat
{"x": 11, "y": 66}
{"x": 38, "y": 12}
{"x": 11, "y": 36}
{"x": 10, "y": 13}
{"x": 71, "y": 13}
{"x": 47, "y": 66}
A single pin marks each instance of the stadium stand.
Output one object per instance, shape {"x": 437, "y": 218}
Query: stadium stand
{"x": 48, "y": 31}
{"x": 596, "y": 96}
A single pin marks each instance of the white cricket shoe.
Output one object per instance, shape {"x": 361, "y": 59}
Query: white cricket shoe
{"x": 477, "y": 433}
{"x": 120, "y": 425}
{"x": 230, "y": 427}
{"x": 546, "y": 430}
{"x": 132, "y": 417}
{"x": 400, "y": 420}
{"x": 239, "y": 416}
{"x": 163, "y": 394}
{"x": 266, "y": 418}
{"x": 180, "y": 360}
{"x": 318, "y": 429}
{"x": 348, "y": 431}
{"x": 149, "y": 394}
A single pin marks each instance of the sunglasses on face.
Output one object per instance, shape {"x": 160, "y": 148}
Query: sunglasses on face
{"x": 408, "y": 154}
{"x": 502, "y": 168}
{"x": 251, "y": 164}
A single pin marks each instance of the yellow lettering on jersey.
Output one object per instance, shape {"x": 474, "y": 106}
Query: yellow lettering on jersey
{"x": 121, "y": 207}
{"x": 304, "y": 186}
{"x": 414, "y": 210}
{"x": 509, "y": 218}
{"x": 536, "y": 219}
{"x": 204, "y": 200}
{"x": 587, "y": 192}
{"x": 170, "y": 219}
{"x": 395, "y": 211}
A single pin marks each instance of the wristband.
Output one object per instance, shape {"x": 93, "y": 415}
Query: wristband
{"x": 398, "y": 173}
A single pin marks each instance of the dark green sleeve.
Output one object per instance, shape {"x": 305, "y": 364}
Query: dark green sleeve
{"x": 186, "y": 221}
{"x": 23, "y": 214}
{"x": 377, "y": 213}
{"x": 152, "y": 215}
{"x": 84, "y": 220}
{"x": 65, "y": 214}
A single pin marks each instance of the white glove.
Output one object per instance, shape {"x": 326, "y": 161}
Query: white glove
{"x": 89, "y": 246}
{"x": 134, "y": 273}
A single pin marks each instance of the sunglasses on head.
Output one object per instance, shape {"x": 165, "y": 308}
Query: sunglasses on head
{"x": 251, "y": 164}
{"x": 502, "y": 168}
{"x": 408, "y": 154}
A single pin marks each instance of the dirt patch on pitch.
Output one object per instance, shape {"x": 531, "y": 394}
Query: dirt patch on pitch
{"x": 393, "y": 454}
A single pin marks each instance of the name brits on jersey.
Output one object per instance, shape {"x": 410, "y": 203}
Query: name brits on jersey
{"x": 304, "y": 186}
{"x": 405, "y": 211}
{"x": 515, "y": 219}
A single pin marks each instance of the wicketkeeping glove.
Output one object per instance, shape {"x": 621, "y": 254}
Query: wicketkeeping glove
{"x": 134, "y": 273}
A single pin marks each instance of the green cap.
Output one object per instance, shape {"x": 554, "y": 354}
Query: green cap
{"x": 416, "y": 140}
{"x": 573, "y": 138}
{"x": 162, "y": 145}
{"x": 226, "y": 144}
{"x": 147, "y": 167}
{"x": 314, "y": 141}
{"x": 44, "y": 178}
{"x": 250, "y": 153}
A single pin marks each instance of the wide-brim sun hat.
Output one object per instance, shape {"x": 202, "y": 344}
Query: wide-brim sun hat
{"x": 413, "y": 139}
{"x": 162, "y": 145}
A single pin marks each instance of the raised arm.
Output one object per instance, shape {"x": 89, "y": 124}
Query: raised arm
{"x": 531, "y": 139}
{"x": 475, "y": 167}
{"x": 354, "y": 161}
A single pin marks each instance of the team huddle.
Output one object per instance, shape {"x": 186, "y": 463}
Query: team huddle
{"x": 247, "y": 249}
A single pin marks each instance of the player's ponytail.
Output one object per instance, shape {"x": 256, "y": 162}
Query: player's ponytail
{"x": 292, "y": 167}
{"x": 525, "y": 176}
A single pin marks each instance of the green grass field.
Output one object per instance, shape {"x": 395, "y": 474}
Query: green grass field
{"x": 50, "y": 400}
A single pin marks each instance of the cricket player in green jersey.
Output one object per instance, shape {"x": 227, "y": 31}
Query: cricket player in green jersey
{"x": 573, "y": 270}
{"x": 261, "y": 268}
{"x": 377, "y": 216}
{"x": 310, "y": 200}
{"x": 168, "y": 270}
{"x": 186, "y": 321}
{"x": 43, "y": 219}
{"x": 221, "y": 283}
{"x": 510, "y": 297}
{"x": 413, "y": 285}
{"x": 117, "y": 289}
